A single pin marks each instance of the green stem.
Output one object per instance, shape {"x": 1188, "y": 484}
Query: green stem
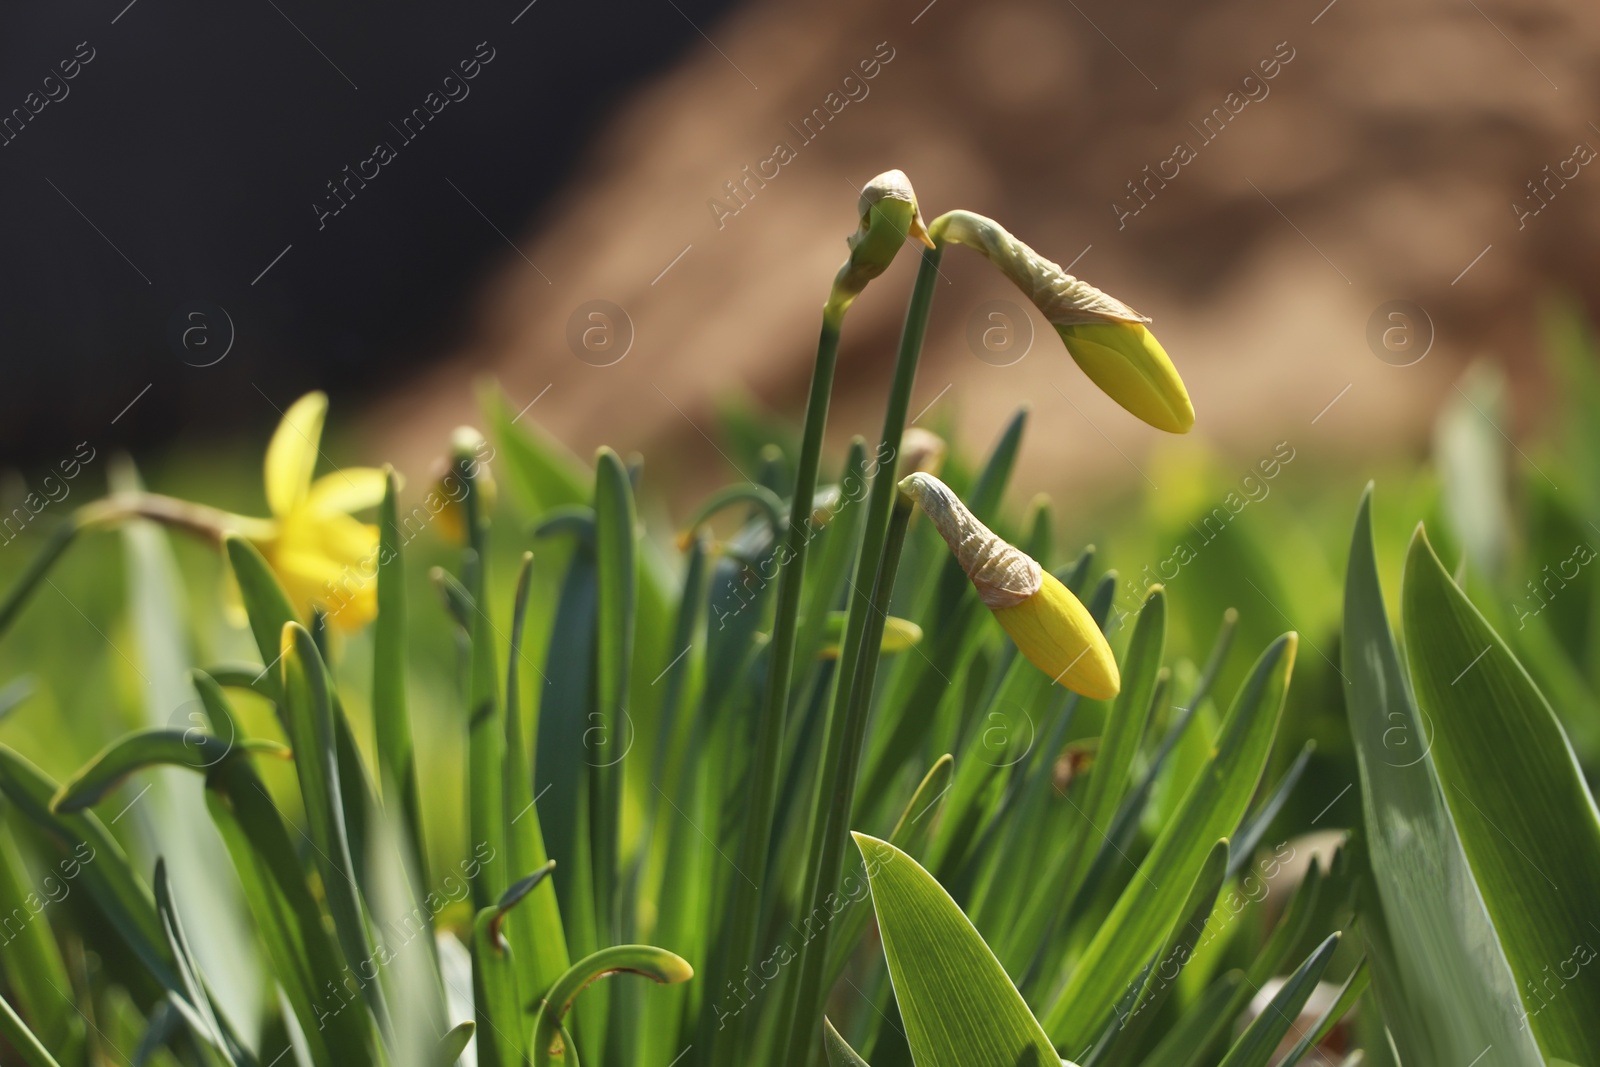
{"x": 745, "y": 907}
{"x": 800, "y": 1018}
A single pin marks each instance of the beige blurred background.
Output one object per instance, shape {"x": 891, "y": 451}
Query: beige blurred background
{"x": 1385, "y": 159}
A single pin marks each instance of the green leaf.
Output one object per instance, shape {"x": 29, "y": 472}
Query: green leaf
{"x": 105, "y": 872}
{"x": 19, "y": 1037}
{"x": 910, "y": 835}
{"x": 840, "y": 1054}
{"x": 1211, "y": 809}
{"x": 198, "y": 1008}
{"x": 32, "y": 950}
{"x": 1441, "y": 977}
{"x": 1354, "y": 986}
{"x": 607, "y": 744}
{"x": 454, "y": 1043}
{"x": 1198, "y": 1028}
{"x": 1125, "y": 726}
{"x": 958, "y": 1006}
{"x": 304, "y": 959}
{"x": 1143, "y": 1000}
{"x": 309, "y": 714}
{"x": 644, "y": 960}
{"x": 190, "y": 748}
{"x": 1526, "y": 820}
{"x": 391, "y": 718}
{"x": 536, "y": 934}
{"x": 1263, "y": 1036}
{"x": 496, "y": 988}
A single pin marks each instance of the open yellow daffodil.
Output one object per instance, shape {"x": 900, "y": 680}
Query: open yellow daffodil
{"x": 1048, "y": 623}
{"x": 322, "y": 554}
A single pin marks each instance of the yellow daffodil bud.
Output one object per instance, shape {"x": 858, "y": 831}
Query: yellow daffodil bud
{"x": 1048, "y": 623}
{"x": 889, "y": 215}
{"x": 1104, "y": 336}
{"x": 921, "y": 450}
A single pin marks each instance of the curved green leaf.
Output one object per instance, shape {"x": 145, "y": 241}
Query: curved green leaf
{"x": 958, "y": 1006}
{"x": 910, "y": 835}
{"x": 496, "y": 991}
{"x": 190, "y": 748}
{"x": 549, "y": 1040}
{"x": 840, "y": 1054}
{"x": 1441, "y": 977}
{"x": 1526, "y": 819}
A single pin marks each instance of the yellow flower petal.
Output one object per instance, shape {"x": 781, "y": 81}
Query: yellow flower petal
{"x": 292, "y": 454}
{"x": 1129, "y": 365}
{"x": 347, "y": 490}
{"x": 1059, "y": 636}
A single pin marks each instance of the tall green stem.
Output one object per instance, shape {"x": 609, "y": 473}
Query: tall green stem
{"x": 745, "y": 907}
{"x": 858, "y": 663}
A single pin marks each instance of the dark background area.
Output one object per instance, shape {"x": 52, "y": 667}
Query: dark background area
{"x": 190, "y": 150}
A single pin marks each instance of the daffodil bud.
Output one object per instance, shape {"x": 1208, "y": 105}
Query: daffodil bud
{"x": 1048, "y": 623}
{"x": 889, "y": 215}
{"x": 921, "y": 451}
{"x": 1106, "y": 337}
{"x": 466, "y": 472}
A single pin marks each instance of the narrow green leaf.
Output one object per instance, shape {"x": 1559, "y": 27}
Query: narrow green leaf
{"x": 496, "y": 986}
{"x": 1526, "y": 820}
{"x": 391, "y": 717}
{"x": 199, "y": 1009}
{"x": 958, "y": 1006}
{"x": 1440, "y": 974}
{"x": 1349, "y": 993}
{"x": 1211, "y": 809}
{"x": 1199, "y": 1027}
{"x": 32, "y": 950}
{"x": 305, "y": 961}
{"x": 104, "y": 871}
{"x": 644, "y": 960}
{"x": 1125, "y": 726}
{"x": 1263, "y": 1036}
{"x": 19, "y": 1037}
{"x": 190, "y": 748}
{"x": 536, "y": 934}
{"x": 309, "y": 713}
{"x": 1139, "y": 1006}
{"x": 910, "y": 835}
{"x": 607, "y": 744}
{"x": 454, "y": 1043}
{"x": 840, "y": 1054}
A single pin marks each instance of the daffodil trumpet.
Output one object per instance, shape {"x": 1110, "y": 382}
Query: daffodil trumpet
{"x": 1050, "y": 626}
{"x": 1109, "y": 340}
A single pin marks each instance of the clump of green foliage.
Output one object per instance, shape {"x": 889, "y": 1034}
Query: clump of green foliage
{"x": 798, "y": 777}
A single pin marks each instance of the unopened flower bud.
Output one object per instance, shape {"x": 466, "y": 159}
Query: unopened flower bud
{"x": 1106, "y": 337}
{"x": 1050, "y": 626}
